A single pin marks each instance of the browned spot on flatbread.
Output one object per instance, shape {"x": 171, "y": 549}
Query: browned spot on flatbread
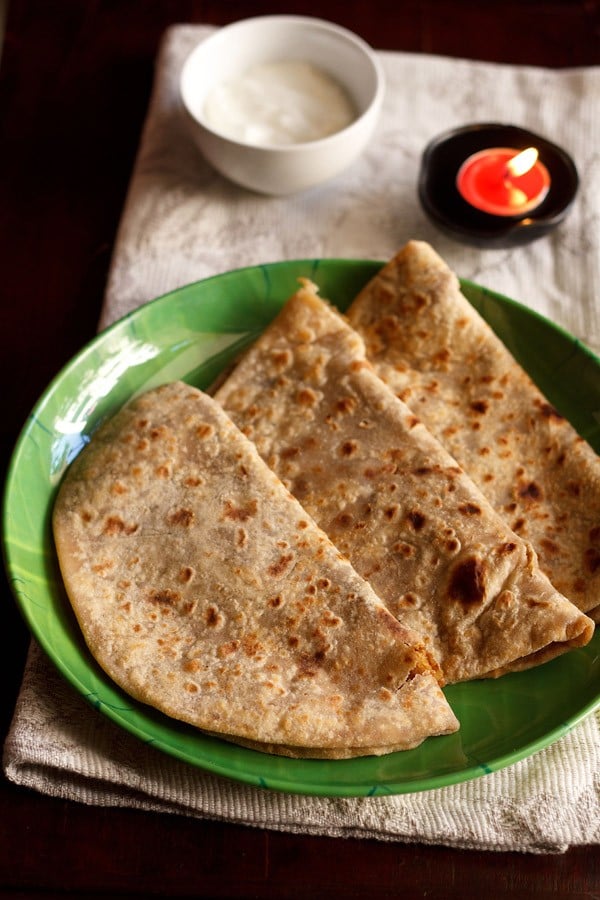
{"x": 470, "y": 509}
{"x": 531, "y": 491}
{"x": 186, "y": 574}
{"x": 423, "y": 470}
{"x": 306, "y": 666}
{"x": 227, "y": 649}
{"x": 116, "y": 525}
{"x": 467, "y": 582}
{"x": 387, "y": 324}
{"x": 344, "y": 520}
{"x": 191, "y": 666}
{"x": 549, "y": 412}
{"x": 416, "y": 519}
{"x": 306, "y": 397}
{"x": 442, "y": 356}
{"x": 282, "y": 564}
{"x": 183, "y": 517}
{"x": 213, "y": 617}
{"x": 404, "y": 549}
{"x": 240, "y": 513}
{"x": 479, "y": 406}
{"x": 346, "y": 405}
{"x": 349, "y": 448}
{"x": 251, "y": 646}
{"x": 164, "y": 597}
{"x": 282, "y": 358}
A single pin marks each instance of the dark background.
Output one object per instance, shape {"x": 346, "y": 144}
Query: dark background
{"x": 75, "y": 79}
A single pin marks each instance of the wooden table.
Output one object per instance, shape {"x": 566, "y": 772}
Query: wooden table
{"x": 74, "y": 86}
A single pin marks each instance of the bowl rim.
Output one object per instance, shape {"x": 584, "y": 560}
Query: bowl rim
{"x": 287, "y": 148}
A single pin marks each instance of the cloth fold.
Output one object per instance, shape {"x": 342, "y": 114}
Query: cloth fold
{"x": 183, "y": 222}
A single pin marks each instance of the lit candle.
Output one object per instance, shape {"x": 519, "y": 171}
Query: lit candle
{"x": 503, "y": 181}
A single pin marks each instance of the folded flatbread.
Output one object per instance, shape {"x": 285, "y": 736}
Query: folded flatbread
{"x": 204, "y": 589}
{"x": 434, "y": 350}
{"x": 393, "y": 500}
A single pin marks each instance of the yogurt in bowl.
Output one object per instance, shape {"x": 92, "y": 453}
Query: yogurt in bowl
{"x": 279, "y": 104}
{"x": 284, "y": 102}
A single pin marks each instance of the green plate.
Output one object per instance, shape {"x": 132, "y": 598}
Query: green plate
{"x": 192, "y": 334}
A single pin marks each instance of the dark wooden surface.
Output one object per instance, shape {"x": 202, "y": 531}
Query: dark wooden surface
{"x": 75, "y": 79}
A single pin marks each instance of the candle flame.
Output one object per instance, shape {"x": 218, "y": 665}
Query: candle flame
{"x": 522, "y": 162}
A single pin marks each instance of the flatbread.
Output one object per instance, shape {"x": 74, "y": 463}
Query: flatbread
{"x": 203, "y": 589}
{"x": 434, "y": 350}
{"x": 393, "y": 500}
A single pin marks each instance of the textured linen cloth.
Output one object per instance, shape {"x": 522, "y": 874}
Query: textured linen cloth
{"x": 183, "y": 222}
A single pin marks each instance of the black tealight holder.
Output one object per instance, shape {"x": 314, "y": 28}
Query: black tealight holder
{"x": 446, "y": 207}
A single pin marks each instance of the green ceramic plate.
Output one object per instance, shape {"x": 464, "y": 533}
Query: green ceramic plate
{"x": 191, "y": 334}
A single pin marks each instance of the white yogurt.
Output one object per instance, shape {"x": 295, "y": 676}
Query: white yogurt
{"x": 279, "y": 103}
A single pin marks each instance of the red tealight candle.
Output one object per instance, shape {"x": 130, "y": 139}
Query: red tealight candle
{"x": 503, "y": 181}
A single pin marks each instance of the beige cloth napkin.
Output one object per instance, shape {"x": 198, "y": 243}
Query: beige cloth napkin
{"x": 183, "y": 222}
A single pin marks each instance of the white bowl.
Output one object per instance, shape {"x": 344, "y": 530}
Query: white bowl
{"x": 282, "y": 168}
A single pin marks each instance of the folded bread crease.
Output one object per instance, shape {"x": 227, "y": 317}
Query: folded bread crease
{"x": 204, "y": 589}
{"x": 393, "y": 500}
